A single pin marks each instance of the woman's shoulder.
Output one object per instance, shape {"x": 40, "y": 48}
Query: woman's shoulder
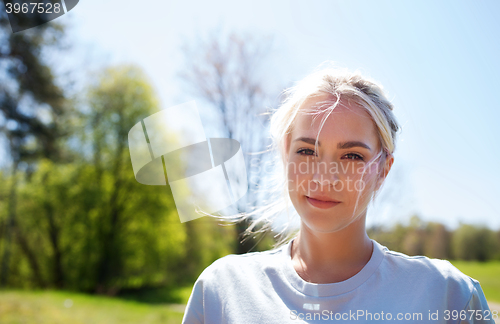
{"x": 429, "y": 271}
{"x": 244, "y": 265}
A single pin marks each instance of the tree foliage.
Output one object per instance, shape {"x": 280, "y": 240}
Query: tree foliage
{"x": 474, "y": 243}
{"x": 32, "y": 113}
{"x": 32, "y": 104}
{"x": 90, "y": 225}
{"x": 467, "y": 242}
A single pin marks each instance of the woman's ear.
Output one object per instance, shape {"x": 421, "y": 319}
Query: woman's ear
{"x": 389, "y": 160}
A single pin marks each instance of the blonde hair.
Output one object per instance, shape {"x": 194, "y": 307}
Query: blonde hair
{"x": 338, "y": 83}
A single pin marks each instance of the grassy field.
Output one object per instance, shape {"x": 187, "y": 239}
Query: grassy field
{"x": 50, "y": 307}
{"x": 487, "y": 273}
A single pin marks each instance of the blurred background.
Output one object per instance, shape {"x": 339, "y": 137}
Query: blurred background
{"x": 81, "y": 241}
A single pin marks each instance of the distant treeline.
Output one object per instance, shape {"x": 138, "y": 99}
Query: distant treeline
{"x": 467, "y": 242}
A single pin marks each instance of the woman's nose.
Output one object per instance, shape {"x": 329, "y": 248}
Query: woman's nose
{"x": 325, "y": 175}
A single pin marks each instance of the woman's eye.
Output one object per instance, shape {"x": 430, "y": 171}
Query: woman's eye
{"x": 305, "y": 152}
{"x": 353, "y": 156}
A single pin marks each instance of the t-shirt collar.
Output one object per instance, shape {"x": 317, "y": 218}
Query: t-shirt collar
{"x": 331, "y": 289}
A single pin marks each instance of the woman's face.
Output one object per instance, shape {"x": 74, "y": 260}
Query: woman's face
{"x": 325, "y": 184}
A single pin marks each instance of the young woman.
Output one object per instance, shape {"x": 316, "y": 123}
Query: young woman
{"x": 335, "y": 134}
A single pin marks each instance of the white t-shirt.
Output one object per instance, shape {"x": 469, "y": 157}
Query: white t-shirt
{"x": 263, "y": 287}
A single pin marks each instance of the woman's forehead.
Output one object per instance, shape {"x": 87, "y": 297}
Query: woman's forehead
{"x": 346, "y": 121}
{"x": 314, "y": 110}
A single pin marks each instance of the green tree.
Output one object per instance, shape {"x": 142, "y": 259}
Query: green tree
{"x": 95, "y": 228}
{"x": 413, "y": 242}
{"x": 391, "y": 237}
{"x": 120, "y": 98}
{"x": 473, "y": 243}
{"x": 140, "y": 239}
{"x": 32, "y": 112}
{"x": 437, "y": 241}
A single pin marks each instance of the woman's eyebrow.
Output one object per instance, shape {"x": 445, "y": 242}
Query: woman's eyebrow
{"x": 346, "y": 145}
{"x": 341, "y": 145}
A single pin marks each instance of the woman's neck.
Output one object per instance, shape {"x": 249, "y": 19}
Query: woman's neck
{"x": 331, "y": 257}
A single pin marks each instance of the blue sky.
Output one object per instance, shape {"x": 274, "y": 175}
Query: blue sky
{"x": 438, "y": 61}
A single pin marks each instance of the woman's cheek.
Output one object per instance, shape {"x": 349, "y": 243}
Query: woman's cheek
{"x": 365, "y": 177}
{"x": 297, "y": 178}
{"x": 292, "y": 178}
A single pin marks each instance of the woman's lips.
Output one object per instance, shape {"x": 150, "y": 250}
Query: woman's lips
{"x": 321, "y": 203}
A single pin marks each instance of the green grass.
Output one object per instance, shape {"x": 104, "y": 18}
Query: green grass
{"x": 159, "y": 295}
{"x": 487, "y": 273}
{"x": 44, "y": 307}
